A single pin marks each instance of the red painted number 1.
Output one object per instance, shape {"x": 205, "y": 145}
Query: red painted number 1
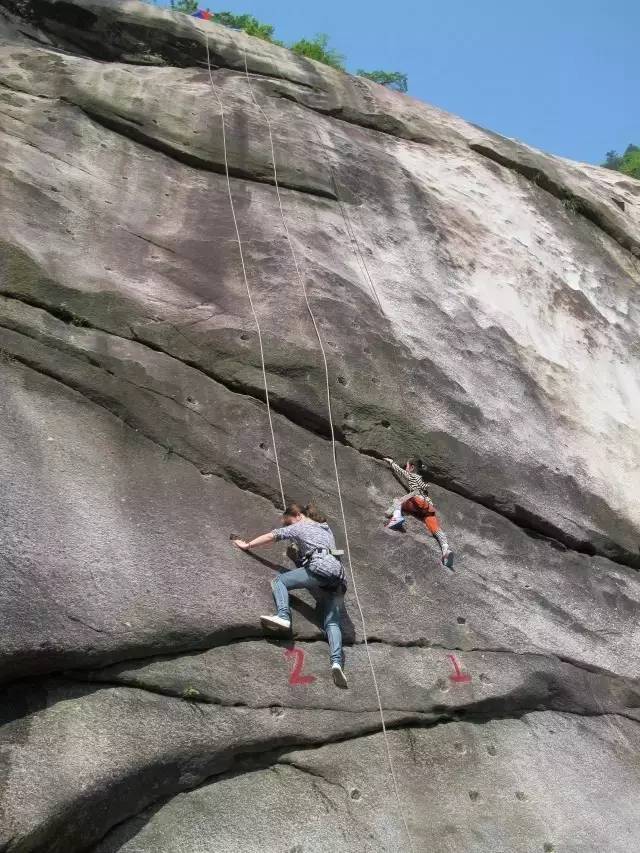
{"x": 296, "y": 676}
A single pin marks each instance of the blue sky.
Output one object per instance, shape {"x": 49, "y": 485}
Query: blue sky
{"x": 563, "y": 76}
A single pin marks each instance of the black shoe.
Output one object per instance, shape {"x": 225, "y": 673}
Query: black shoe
{"x": 447, "y": 558}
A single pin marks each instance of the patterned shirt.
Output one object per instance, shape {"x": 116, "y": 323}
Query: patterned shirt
{"x": 415, "y": 482}
{"x": 308, "y": 536}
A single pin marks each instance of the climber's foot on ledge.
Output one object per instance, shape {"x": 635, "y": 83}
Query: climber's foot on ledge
{"x": 447, "y": 559}
{"x": 275, "y": 623}
{"x": 339, "y": 678}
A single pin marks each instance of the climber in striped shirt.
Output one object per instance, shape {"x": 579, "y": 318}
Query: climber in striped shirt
{"x": 418, "y": 504}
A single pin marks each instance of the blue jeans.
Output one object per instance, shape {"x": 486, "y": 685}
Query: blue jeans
{"x": 329, "y": 604}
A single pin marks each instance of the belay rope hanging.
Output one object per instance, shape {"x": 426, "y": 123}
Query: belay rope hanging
{"x": 328, "y": 394}
{"x": 244, "y": 275}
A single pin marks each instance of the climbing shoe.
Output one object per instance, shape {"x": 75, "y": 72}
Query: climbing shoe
{"x": 276, "y": 623}
{"x": 447, "y": 558}
{"x": 396, "y": 523}
{"x": 339, "y": 678}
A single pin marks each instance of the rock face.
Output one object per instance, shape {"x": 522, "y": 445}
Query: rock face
{"x": 478, "y": 303}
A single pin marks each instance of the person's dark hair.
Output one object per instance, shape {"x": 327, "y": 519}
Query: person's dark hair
{"x": 312, "y": 512}
{"x": 418, "y": 464}
{"x": 292, "y": 510}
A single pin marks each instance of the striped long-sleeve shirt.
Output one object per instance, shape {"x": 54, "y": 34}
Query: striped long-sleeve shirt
{"x": 413, "y": 480}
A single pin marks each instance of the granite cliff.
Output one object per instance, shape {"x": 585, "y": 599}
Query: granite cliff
{"x": 479, "y": 304}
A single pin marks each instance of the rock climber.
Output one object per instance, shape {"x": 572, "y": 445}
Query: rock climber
{"x": 312, "y": 546}
{"x": 418, "y": 504}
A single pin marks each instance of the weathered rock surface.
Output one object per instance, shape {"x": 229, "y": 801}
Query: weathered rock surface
{"x": 77, "y": 761}
{"x": 479, "y": 305}
{"x": 505, "y": 785}
{"x": 254, "y": 674}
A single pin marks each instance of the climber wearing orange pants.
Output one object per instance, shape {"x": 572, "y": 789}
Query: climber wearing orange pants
{"x": 418, "y": 504}
{"x": 423, "y": 509}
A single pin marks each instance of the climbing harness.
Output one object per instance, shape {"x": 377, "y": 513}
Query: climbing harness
{"x": 334, "y": 454}
{"x": 244, "y": 274}
{"x": 333, "y": 552}
{"x": 332, "y": 572}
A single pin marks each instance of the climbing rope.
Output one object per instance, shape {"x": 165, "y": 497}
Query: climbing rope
{"x": 357, "y": 250}
{"x": 244, "y": 272}
{"x": 345, "y": 216}
{"x": 303, "y": 287}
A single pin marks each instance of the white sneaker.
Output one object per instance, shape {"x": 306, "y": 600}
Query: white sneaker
{"x": 275, "y": 622}
{"x": 339, "y": 678}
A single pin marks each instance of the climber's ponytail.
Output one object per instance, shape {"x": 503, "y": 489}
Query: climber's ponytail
{"x": 292, "y": 510}
{"x": 312, "y": 512}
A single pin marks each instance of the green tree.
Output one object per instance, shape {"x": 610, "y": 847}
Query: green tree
{"x": 186, "y": 6}
{"x": 627, "y": 163}
{"x": 395, "y": 80}
{"x": 630, "y": 164}
{"x": 247, "y": 23}
{"x": 318, "y": 49}
{"x": 612, "y": 160}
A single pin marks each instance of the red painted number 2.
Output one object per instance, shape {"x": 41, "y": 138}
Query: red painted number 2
{"x": 296, "y": 676}
{"x": 459, "y": 677}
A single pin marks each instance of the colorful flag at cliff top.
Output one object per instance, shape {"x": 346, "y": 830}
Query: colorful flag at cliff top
{"x": 204, "y": 15}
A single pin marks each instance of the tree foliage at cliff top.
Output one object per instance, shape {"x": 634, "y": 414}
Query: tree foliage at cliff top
{"x": 395, "y": 80}
{"x": 317, "y": 48}
{"x": 627, "y": 163}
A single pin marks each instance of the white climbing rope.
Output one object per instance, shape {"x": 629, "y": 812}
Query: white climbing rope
{"x": 244, "y": 273}
{"x": 345, "y": 216}
{"x": 303, "y": 287}
{"x": 361, "y": 259}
